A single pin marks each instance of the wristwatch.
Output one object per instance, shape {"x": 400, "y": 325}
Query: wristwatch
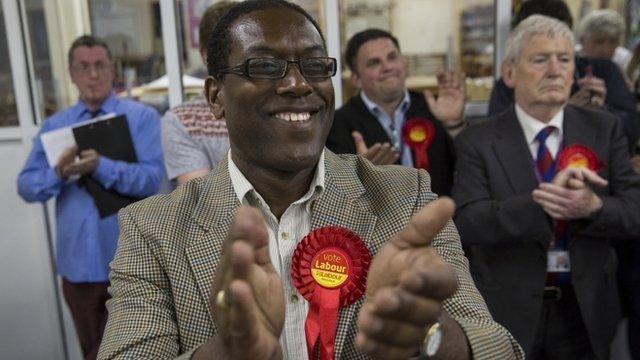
{"x": 432, "y": 341}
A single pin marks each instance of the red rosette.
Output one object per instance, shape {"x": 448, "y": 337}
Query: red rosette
{"x": 577, "y": 155}
{"x": 329, "y": 268}
{"x": 419, "y": 133}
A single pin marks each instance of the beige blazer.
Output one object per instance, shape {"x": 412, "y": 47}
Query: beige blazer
{"x": 170, "y": 246}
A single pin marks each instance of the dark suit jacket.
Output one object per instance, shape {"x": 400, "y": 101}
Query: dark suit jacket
{"x": 170, "y": 247}
{"x": 619, "y": 99}
{"x": 354, "y": 115}
{"x": 506, "y": 234}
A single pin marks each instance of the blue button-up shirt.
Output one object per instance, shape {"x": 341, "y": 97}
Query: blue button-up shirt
{"x": 85, "y": 242}
{"x": 393, "y": 127}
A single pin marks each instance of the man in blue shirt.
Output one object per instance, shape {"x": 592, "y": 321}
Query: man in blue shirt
{"x": 86, "y": 243}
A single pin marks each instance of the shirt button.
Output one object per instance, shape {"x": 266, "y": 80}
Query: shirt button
{"x": 293, "y": 298}
{"x": 285, "y": 235}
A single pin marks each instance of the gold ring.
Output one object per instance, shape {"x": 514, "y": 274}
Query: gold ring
{"x": 221, "y": 300}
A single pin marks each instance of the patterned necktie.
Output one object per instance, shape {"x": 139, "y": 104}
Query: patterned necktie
{"x": 546, "y": 168}
{"x": 544, "y": 161}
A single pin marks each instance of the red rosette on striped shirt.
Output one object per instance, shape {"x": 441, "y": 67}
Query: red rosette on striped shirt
{"x": 419, "y": 133}
{"x": 329, "y": 268}
{"x": 576, "y": 155}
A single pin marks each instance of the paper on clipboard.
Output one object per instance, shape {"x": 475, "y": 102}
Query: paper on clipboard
{"x": 55, "y": 142}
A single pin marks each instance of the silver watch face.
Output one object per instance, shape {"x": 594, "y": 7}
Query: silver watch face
{"x": 432, "y": 341}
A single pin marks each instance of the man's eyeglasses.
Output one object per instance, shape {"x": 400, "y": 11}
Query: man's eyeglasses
{"x": 84, "y": 68}
{"x": 270, "y": 68}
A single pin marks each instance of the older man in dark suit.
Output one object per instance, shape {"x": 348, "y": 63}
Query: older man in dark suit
{"x": 536, "y": 232}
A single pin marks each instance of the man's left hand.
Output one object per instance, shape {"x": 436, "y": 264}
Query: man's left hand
{"x": 449, "y": 106}
{"x": 87, "y": 163}
{"x": 570, "y": 196}
{"x": 407, "y": 283}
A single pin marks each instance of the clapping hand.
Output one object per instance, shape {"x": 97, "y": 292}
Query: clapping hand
{"x": 570, "y": 196}
{"x": 407, "y": 283}
{"x": 247, "y": 299}
{"x": 449, "y": 106}
{"x": 379, "y": 154}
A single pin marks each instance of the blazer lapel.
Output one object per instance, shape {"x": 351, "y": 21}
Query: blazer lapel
{"x": 214, "y": 214}
{"x": 341, "y": 204}
{"x": 512, "y": 151}
{"x": 576, "y": 130}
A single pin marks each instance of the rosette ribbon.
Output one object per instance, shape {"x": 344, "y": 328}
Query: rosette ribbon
{"x": 329, "y": 268}
{"x": 576, "y": 155}
{"x": 419, "y": 133}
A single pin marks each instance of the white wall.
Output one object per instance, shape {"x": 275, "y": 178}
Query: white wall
{"x": 29, "y": 326}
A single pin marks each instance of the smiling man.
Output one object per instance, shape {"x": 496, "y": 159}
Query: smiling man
{"x": 536, "y": 232}
{"x": 207, "y": 272}
{"x": 372, "y": 123}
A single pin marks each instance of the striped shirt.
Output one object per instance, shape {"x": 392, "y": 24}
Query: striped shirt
{"x": 284, "y": 236}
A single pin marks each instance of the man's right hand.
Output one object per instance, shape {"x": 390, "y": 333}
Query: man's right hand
{"x": 250, "y": 314}
{"x": 379, "y": 154}
{"x": 66, "y": 159}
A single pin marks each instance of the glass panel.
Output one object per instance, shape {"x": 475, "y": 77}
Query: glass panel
{"x": 8, "y": 110}
{"x": 133, "y": 30}
{"x": 433, "y": 35}
{"x": 49, "y": 97}
{"x": 190, "y": 13}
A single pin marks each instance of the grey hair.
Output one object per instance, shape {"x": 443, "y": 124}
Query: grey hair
{"x": 601, "y": 22}
{"x": 532, "y": 26}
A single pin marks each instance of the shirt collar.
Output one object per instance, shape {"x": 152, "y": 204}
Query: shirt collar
{"x": 532, "y": 126}
{"x": 108, "y": 105}
{"x": 245, "y": 191}
{"x": 375, "y": 108}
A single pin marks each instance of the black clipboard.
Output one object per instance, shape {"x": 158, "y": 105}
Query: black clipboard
{"x": 111, "y": 138}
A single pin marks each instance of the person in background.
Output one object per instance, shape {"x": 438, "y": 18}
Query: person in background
{"x": 86, "y": 243}
{"x": 538, "y": 232}
{"x": 205, "y": 272}
{"x": 372, "y": 123}
{"x": 598, "y": 84}
{"x": 194, "y": 141}
{"x": 599, "y": 35}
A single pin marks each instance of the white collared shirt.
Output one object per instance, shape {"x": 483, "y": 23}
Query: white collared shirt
{"x": 294, "y": 224}
{"x": 532, "y": 126}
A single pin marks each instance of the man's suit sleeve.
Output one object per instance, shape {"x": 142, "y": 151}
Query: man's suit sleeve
{"x": 141, "y": 322}
{"x": 620, "y": 213}
{"x": 487, "y": 339}
{"x": 483, "y": 219}
{"x": 339, "y": 140}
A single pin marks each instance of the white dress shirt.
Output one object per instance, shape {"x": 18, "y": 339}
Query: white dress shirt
{"x": 284, "y": 236}
{"x": 532, "y": 126}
